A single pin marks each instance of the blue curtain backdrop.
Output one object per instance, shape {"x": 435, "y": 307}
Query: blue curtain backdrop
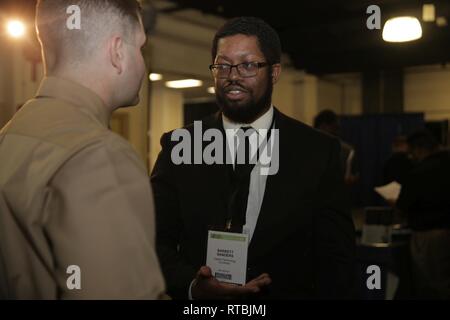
{"x": 372, "y": 136}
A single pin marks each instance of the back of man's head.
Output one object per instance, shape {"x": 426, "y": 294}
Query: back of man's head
{"x": 327, "y": 121}
{"x": 421, "y": 144}
{"x": 325, "y": 117}
{"x": 102, "y": 51}
{"x": 63, "y": 45}
{"x": 423, "y": 139}
{"x": 400, "y": 144}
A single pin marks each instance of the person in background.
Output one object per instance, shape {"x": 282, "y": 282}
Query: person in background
{"x": 327, "y": 121}
{"x": 424, "y": 200}
{"x": 399, "y": 163}
{"x": 76, "y": 208}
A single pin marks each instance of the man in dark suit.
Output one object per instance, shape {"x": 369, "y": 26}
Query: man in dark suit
{"x": 300, "y": 230}
{"x": 424, "y": 201}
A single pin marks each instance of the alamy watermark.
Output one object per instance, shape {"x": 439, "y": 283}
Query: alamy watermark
{"x": 73, "y": 22}
{"x": 374, "y": 280}
{"x": 264, "y": 151}
{"x": 74, "y": 279}
{"x": 374, "y": 20}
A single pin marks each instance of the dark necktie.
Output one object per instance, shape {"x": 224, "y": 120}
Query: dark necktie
{"x": 240, "y": 181}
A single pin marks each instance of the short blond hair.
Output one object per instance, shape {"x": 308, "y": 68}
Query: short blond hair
{"x": 98, "y": 19}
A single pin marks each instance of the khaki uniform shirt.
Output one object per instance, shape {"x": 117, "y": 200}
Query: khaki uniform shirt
{"x": 73, "y": 193}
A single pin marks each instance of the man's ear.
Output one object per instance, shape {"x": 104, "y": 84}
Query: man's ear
{"x": 116, "y": 53}
{"x": 276, "y": 71}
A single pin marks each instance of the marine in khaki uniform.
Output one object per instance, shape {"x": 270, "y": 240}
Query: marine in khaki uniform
{"x": 73, "y": 193}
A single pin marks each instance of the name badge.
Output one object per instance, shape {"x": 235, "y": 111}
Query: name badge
{"x": 227, "y": 256}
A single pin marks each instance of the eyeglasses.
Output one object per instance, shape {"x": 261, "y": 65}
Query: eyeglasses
{"x": 245, "y": 69}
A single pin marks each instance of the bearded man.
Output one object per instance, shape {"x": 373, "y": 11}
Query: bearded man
{"x": 299, "y": 230}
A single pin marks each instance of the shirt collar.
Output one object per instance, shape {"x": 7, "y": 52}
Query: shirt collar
{"x": 262, "y": 122}
{"x": 75, "y": 94}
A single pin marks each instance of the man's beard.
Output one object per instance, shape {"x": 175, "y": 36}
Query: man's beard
{"x": 248, "y": 112}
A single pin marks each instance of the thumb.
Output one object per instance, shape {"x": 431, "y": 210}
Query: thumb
{"x": 204, "y": 272}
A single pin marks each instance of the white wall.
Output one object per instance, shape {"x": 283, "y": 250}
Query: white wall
{"x": 341, "y": 93}
{"x": 6, "y": 74}
{"x": 306, "y": 98}
{"x": 427, "y": 89}
{"x": 181, "y": 47}
{"x": 137, "y": 126}
{"x": 166, "y": 114}
{"x": 302, "y": 96}
{"x": 16, "y": 83}
{"x": 285, "y": 92}
{"x": 330, "y": 95}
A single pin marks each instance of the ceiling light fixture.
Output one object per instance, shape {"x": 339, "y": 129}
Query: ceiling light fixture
{"x": 402, "y": 29}
{"x": 15, "y": 28}
{"x": 155, "y": 77}
{"x": 186, "y": 83}
{"x": 428, "y": 12}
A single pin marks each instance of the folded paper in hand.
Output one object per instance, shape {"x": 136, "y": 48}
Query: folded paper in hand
{"x": 389, "y": 191}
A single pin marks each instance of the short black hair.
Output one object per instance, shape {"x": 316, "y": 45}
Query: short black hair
{"x": 423, "y": 139}
{"x": 325, "y": 117}
{"x": 268, "y": 40}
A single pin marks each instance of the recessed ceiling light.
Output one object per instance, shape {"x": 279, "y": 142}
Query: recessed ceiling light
{"x": 428, "y": 12}
{"x": 186, "y": 83}
{"x": 155, "y": 76}
{"x": 441, "y": 22}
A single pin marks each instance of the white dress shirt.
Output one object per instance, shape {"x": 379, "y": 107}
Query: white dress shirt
{"x": 257, "y": 180}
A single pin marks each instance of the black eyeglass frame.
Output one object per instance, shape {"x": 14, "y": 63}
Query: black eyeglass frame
{"x": 231, "y": 66}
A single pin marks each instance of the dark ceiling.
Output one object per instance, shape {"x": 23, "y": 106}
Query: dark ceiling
{"x": 331, "y": 36}
{"x": 325, "y": 36}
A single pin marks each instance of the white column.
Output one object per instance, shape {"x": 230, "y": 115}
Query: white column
{"x": 306, "y": 97}
{"x": 166, "y": 113}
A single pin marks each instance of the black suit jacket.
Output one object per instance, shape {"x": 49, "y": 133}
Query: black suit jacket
{"x": 304, "y": 238}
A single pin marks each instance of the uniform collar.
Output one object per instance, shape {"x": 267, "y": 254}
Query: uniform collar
{"x": 77, "y": 95}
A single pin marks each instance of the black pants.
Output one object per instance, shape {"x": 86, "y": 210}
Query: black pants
{"x": 430, "y": 255}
